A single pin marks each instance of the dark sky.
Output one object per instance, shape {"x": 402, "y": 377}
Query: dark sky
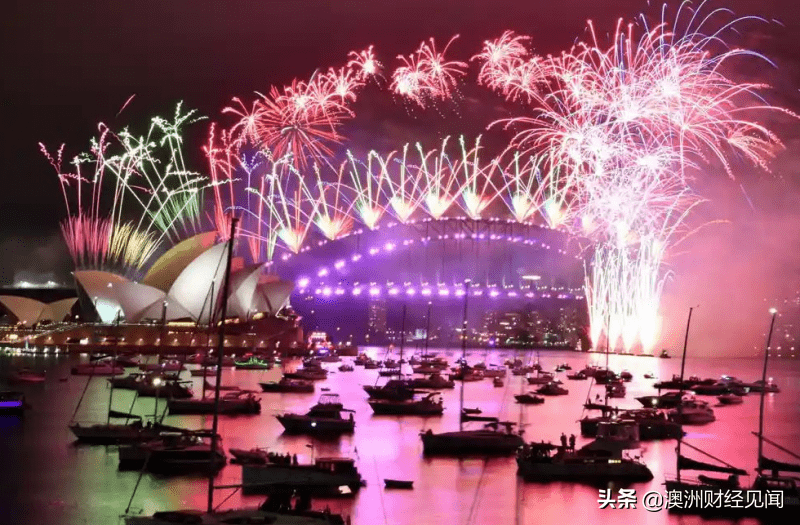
{"x": 70, "y": 64}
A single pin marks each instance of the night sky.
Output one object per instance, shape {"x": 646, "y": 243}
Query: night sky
{"x": 70, "y": 64}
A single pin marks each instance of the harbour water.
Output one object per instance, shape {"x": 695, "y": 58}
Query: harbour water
{"x": 48, "y": 479}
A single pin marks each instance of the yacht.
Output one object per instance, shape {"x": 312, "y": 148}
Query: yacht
{"x": 547, "y": 462}
{"x": 652, "y": 424}
{"x": 541, "y": 378}
{"x": 491, "y": 440}
{"x": 394, "y": 389}
{"x": 285, "y": 385}
{"x": 429, "y": 405}
{"x": 692, "y": 412}
{"x": 434, "y": 381}
{"x": 668, "y": 400}
{"x": 552, "y": 389}
{"x": 308, "y": 374}
{"x": 615, "y": 390}
{"x": 323, "y": 477}
{"x": 323, "y": 418}
{"x": 234, "y": 402}
{"x": 529, "y": 399}
{"x": 174, "y": 453}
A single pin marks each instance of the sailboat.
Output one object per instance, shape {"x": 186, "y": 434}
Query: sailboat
{"x": 706, "y": 487}
{"x": 428, "y": 405}
{"x": 496, "y": 438}
{"x": 277, "y": 510}
{"x": 110, "y": 433}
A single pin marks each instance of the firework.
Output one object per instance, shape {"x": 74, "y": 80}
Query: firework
{"x": 426, "y": 75}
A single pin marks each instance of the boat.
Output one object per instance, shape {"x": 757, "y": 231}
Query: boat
{"x": 174, "y": 454}
{"x": 541, "y": 378}
{"x": 389, "y": 372}
{"x": 434, "y": 381}
{"x": 429, "y": 405}
{"x": 134, "y": 379}
{"x": 26, "y": 375}
{"x": 552, "y": 389}
{"x": 668, "y": 400}
{"x": 169, "y": 389}
{"x": 494, "y": 372}
{"x": 12, "y": 403}
{"x": 345, "y": 367}
{"x": 473, "y": 415}
{"x": 676, "y": 383}
{"x": 615, "y": 390}
{"x": 529, "y": 399}
{"x": 730, "y": 399}
{"x": 428, "y": 368}
{"x": 398, "y": 484}
{"x": 254, "y": 456}
{"x": 325, "y": 476}
{"x": 664, "y": 354}
{"x": 394, "y": 389}
{"x": 276, "y": 510}
{"x": 626, "y": 376}
{"x": 210, "y": 371}
{"x": 649, "y": 375}
{"x": 706, "y": 488}
{"x": 97, "y": 369}
{"x": 308, "y": 374}
{"x": 170, "y": 365}
{"x": 492, "y": 440}
{"x": 285, "y": 385}
{"x": 323, "y": 418}
{"x": 605, "y": 376}
{"x": 763, "y": 386}
{"x": 498, "y": 382}
{"x": 579, "y": 376}
{"x": 652, "y": 423}
{"x": 252, "y": 364}
{"x": 719, "y": 388}
{"x": 692, "y": 412}
{"x": 466, "y": 374}
{"x": 236, "y": 402}
{"x": 548, "y": 462}
{"x": 371, "y": 365}
{"x": 563, "y": 367}
{"x": 523, "y": 370}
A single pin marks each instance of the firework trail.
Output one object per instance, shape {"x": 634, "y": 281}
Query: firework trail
{"x": 617, "y": 126}
{"x": 426, "y": 76}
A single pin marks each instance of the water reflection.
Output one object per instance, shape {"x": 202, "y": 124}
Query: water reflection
{"x": 61, "y": 483}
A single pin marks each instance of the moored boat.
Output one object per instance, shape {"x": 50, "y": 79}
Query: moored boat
{"x": 326, "y": 476}
{"x": 236, "y": 402}
{"x": 286, "y": 385}
{"x": 429, "y": 405}
{"x": 323, "y": 418}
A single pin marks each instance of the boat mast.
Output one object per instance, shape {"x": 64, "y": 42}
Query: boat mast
{"x": 774, "y": 313}
{"x": 220, "y": 351}
{"x": 463, "y": 355}
{"x": 402, "y": 342}
{"x": 427, "y": 329}
{"x": 680, "y": 395}
{"x": 113, "y": 375}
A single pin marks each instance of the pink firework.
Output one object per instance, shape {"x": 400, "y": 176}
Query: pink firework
{"x": 364, "y": 64}
{"x": 426, "y": 74}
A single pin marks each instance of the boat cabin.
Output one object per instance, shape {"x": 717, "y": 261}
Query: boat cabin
{"x": 336, "y": 465}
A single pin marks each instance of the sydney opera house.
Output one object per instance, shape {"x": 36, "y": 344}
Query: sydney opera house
{"x": 178, "y": 299}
